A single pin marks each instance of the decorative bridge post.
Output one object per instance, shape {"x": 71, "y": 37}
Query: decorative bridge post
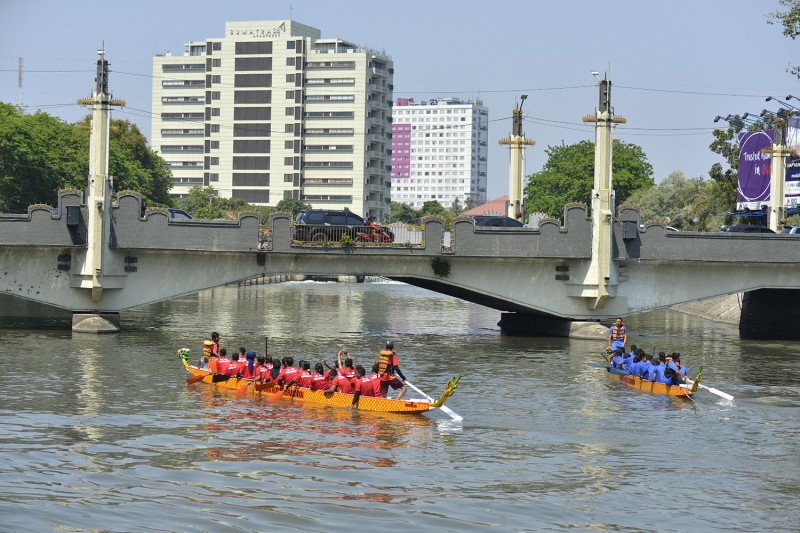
{"x": 777, "y": 196}
{"x": 516, "y": 145}
{"x": 98, "y": 197}
{"x": 602, "y": 274}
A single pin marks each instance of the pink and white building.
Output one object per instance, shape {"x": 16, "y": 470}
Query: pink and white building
{"x": 439, "y": 151}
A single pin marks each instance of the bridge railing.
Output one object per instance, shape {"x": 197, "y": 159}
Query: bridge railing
{"x": 324, "y": 233}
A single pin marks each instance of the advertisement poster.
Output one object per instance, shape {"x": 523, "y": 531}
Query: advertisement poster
{"x": 792, "y": 187}
{"x": 754, "y": 167}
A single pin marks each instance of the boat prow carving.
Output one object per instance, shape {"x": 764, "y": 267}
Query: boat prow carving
{"x": 449, "y": 389}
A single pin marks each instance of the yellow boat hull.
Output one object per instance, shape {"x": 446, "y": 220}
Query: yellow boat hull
{"x": 653, "y": 387}
{"x": 302, "y": 394}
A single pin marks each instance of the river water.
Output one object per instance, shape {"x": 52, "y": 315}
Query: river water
{"x": 103, "y": 433}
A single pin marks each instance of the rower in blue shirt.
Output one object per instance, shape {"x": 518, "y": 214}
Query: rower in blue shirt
{"x": 617, "y": 360}
{"x": 645, "y": 368}
{"x": 659, "y": 369}
{"x": 627, "y": 362}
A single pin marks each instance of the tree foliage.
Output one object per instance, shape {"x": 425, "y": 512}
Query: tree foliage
{"x": 568, "y": 176}
{"x": 689, "y": 204}
{"x": 789, "y": 19}
{"x": 40, "y": 154}
{"x": 400, "y": 212}
{"x": 295, "y": 206}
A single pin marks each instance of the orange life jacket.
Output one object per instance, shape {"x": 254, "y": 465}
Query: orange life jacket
{"x": 384, "y": 367}
{"x": 617, "y": 332}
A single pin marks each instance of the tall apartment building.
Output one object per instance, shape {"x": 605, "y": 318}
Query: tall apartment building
{"x": 272, "y": 111}
{"x": 439, "y": 151}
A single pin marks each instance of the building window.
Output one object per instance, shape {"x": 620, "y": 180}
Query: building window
{"x": 252, "y": 80}
{"x": 250, "y": 179}
{"x": 290, "y": 45}
{"x": 288, "y": 161}
{"x": 251, "y": 129}
{"x": 253, "y": 63}
{"x": 260, "y": 47}
{"x": 290, "y": 95}
{"x": 289, "y": 61}
{"x": 250, "y": 163}
{"x": 252, "y": 97}
{"x": 251, "y": 113}
{"x": 250, "y": 147}
{"x": 216, "y": 62}
{"x": 290, "y": 78}
{"x": 214, "y": 111}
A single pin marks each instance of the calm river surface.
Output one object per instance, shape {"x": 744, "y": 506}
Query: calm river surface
{"x": 103, "y": 433}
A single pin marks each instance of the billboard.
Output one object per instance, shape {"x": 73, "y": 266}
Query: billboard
{"x": 754, "y": 167}
{"x": 792, "y": 187}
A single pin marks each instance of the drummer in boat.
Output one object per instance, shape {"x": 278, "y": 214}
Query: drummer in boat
{"x": 388, "y": 370}
{"x": 617, "y": 336}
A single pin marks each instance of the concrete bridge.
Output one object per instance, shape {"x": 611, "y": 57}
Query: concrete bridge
{"x": 97, "y": 258}
{"x": 535, "y": 272}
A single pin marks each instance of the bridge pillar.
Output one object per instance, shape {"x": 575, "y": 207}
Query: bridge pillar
{"x": 83, "y": 322}
{"x": 770, "y": 314}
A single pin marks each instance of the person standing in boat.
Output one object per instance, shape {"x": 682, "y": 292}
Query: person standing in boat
{"x": 617, "y": 335}
{"x": 388, "y": 366}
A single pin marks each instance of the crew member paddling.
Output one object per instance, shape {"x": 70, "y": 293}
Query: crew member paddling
{"x": 617, "y": 335}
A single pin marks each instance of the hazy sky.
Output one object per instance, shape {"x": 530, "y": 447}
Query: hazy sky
{"x": 675, "y": 65}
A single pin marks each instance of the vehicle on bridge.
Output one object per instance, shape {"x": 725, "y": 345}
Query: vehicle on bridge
{"x": 747, "y": 228}
{"x": 497, "y": 221}
{"x": 319, "y": 225}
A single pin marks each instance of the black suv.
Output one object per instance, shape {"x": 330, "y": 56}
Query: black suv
{"x": 326, "y": 225}
{"x": 497, "y": 221}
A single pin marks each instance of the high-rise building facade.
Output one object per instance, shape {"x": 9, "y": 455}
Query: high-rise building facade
{"x": 271, "y": 111}
{"x": 439, "y": 151}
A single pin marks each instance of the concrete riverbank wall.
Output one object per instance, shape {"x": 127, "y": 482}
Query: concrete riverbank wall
{"x": 726, "y": 309}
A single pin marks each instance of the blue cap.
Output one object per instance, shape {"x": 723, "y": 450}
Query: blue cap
{"x": 250, "y": 355}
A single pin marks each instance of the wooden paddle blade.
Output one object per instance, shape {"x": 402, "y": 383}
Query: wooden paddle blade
{"x": 275, "y": 397}
{"x": 195, "y": 379}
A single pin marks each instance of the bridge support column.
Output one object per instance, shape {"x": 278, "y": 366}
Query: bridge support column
{"x": 95, "y": 322}
{"x": 770, "y": 314}
{"x": 522, "y": 325}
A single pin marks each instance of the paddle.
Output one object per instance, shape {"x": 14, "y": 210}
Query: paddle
{"x": 195, "y": 379}
{"x": 243, "y": 388}
{"x": 455, "y": 416}
{"x": 712, "y": 390}
{"x": 277, "y": 396}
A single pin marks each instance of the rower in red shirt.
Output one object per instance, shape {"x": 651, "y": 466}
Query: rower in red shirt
{"x": 306, "y": 377}
{"x": 321, "y": 380}
{"x": 288, "y": 373}
{"x": 248, "y": 371}
{"x": 233, "y": 367}
{"x": 377, "y": 382}
{"x": 223, "y": 362}
{"x": 363, "y": 386}
{"x": 339, "y": 383}
{"x": 263, "y": 370}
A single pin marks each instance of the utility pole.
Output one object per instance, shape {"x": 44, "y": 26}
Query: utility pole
{"x": 777, "y": 174}
{"x": 602, "y": 272}
{"x": 20, "y": 104}
{"x": 101, "y": 185}
{"x": 516, "y": 152}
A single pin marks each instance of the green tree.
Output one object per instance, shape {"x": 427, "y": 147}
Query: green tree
{"x": 295, "y": 206}
{"x": 686, "y": 203}
{"x": 469, "y": 203}
{"x": 400, "y": 212}
{"x": 434, "y": 208}
{"x": 40, "y": 154}
{"x": 456, "y": 208}
{"x": 789, "y": 19}
{"x": 568, "y": 176}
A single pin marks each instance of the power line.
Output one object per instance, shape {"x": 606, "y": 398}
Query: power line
{"x": 699, "y": 93}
